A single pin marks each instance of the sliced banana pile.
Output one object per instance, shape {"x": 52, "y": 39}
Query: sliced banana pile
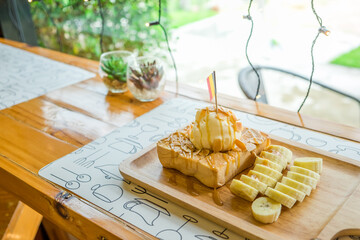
{"x": 266, "y": 173}
{"x": 302, "y": 177}
{"x": 298, "y": 183}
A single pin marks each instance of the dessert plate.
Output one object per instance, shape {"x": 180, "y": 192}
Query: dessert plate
{"x": 332, "y": 209}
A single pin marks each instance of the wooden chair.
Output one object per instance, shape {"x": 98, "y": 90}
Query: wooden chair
{"x": 24, "y": 223}
{"x": 248, "y": 82}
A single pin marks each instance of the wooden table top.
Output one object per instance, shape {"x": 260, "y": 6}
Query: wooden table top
{"x": 38, "y": 132}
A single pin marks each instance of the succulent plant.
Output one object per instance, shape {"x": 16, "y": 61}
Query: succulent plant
{"x": 115, "y": 68}
{"x": 149, "y": 76}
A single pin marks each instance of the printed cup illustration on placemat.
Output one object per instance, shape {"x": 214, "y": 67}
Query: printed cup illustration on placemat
{"x": 147, "y": 128}
{"x": 146, "y": 209}
{"x": 286, "y": 133}
{"x": 126, "y": 145}
{"x": 175, "y": 234}
{"x": 108, "y": 192}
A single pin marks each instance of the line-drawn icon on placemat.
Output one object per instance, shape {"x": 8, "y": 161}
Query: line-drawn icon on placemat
{"x": 260, "y": 120}
{"x": 126, "y": 145}
{"x": 344, "y": 148}
{"x": 171, "y": 121}
{"x": 146, "y": 209}
{"x": 221, "y": 234}
{"x": 315, "y": 142}
{"x": 111, "y": 171}
{"x": 89, "y": 160}
{"x": 91, "y": 146}
{"x": 204, "y": 237}
{"x": 73, "y": 184}
{"x": 6, "y": 93}
{"x": 175, "y": 234}
{"x": 145, "y": 129}
{"x": 108, "y": 192}
{"x": 141, "y": 190}
{"x": 134, "y": 123}
{"x": 160, "y": 136}
{"x": 286, "y": 133}
{"x": 82, "y": 177}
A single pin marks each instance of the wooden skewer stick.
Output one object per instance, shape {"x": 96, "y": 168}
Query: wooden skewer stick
{"x": 216, "y": 104}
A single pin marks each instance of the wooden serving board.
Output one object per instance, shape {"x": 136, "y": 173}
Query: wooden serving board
{"x": 331, "y": 210}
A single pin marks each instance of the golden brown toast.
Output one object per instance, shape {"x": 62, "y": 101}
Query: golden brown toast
{"x": 210, "y": 168}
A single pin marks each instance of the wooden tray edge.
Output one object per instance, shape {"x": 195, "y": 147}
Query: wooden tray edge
{"x": 169, "y": 193}
{"x": 248, "y": 229}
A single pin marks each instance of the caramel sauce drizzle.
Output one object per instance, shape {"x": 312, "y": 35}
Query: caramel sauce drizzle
{"x": 190, "y": 187}
{"x": 172, "y": 178}
{"x": 229, "y": 129}
{"x": 216, "y": 197}
{"x": 226, "y": 157}
{"x": 208, "y": 129}
{"x": 222, "y": 135}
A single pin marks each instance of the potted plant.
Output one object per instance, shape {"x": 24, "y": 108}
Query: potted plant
{"x": 113, "y": 69}
{"x": 146, "y": 78}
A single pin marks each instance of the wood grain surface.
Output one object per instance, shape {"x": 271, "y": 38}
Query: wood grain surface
{"x": 39, "y": 131}
{"x": 340, "y": 179}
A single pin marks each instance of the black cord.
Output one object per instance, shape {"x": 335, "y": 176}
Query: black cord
{"x": 246, "y": 51}
{"x": 102, "y": 25}
{"x": 47, "y": 11}
{"x": 312, "y": 55}
{"x": 172, "y": 57}
{"x": 168, "y": 46}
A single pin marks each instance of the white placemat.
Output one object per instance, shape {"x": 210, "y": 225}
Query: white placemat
{"x": 24, "y": 75}
{"x": 92, "y": 171}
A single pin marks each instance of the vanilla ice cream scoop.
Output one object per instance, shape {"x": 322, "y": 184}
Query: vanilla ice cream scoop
{"x": 215, "y": 131}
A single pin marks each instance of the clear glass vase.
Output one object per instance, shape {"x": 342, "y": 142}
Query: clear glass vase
{"x": 113, "y": 69}
{"x": 146, "y": 78}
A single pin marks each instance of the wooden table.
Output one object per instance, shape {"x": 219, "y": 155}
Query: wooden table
{"x": 36, "y": 133}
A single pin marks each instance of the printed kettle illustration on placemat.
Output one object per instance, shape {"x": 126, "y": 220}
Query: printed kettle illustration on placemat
{"x": 108, "y": 192}
{"x": 146, "y": 209}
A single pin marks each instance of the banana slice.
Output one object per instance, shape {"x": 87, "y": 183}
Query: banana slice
{"x": 255, "y": 183}
{"x": 302, "y": 178}
{"x": 297, "y": 185}
{"x": 305, "y": 171}
{"x": 243, "y": 190}
{"x": 280, "y": 197}
{"x": 268, "y": 163}
{"x": 269, "y": 181}
{"x": 274, "y": 158}
{"x": 311, "y": 163}
{"x": 266, "y": 210}
{"x": 281, "y": 151}
{"x": 292, "y": 192}
{"x": 268, "y": 171}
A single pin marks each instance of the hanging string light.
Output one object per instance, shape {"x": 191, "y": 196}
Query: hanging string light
{"x": 248, "y": 17}
{"x": 326, "y": 32}
{"x": 158, "y": 22}
{"x": 102, "y": 25}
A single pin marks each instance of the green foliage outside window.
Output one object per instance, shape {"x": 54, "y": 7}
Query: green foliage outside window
{"x": 77, "y": 24}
